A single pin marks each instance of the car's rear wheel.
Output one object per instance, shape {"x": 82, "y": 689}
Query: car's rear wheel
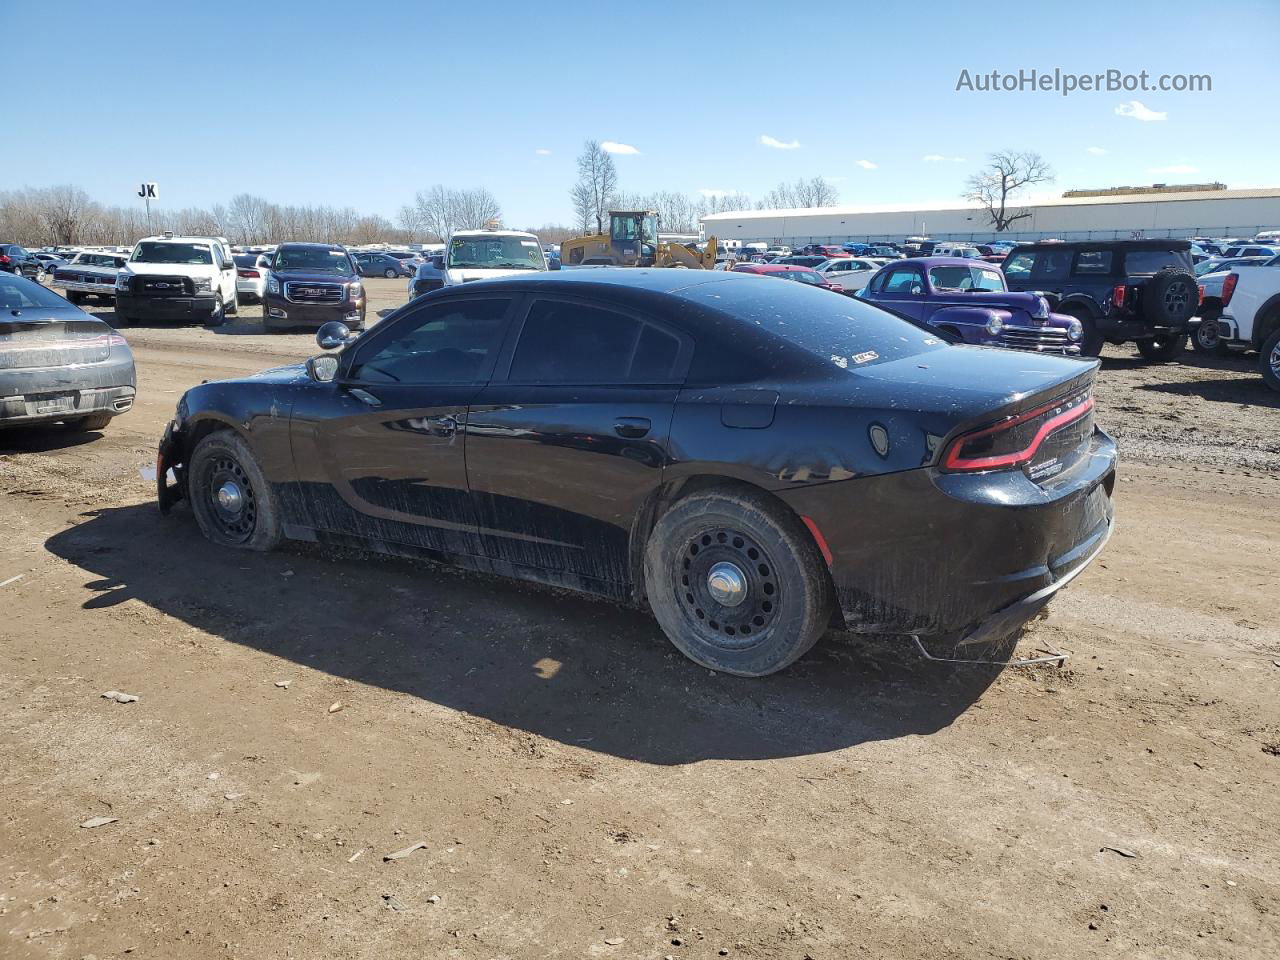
{"x": 389, "y": 273}
{"x": 230, "y": 496}
{"x": 94, "y": 421}
{"x": 1269, "y": 361}
{"x": 737, "y": 584}
{"x": 1207, "y": 338}
{"x": 1164, "y": 348}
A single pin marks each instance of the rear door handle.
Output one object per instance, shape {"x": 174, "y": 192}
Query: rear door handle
{"x": 633, "y": 428}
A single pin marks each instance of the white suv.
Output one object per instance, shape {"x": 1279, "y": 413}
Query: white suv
{"x": 178, "y": 278}
{"x": 481, "y": 254}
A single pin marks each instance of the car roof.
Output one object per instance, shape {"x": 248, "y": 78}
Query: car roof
{"x": 940, "y": 262}
{"x": 311, "y": 244}
{"x": 770, "y": 267}
{"x": 1150, "y": 244}
{"x": 492, "y": 233}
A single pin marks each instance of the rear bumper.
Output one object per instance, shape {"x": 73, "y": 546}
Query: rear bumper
{"x": 50, "y": 407}
{"x": 165, "y": 308}
{"x": 959, "y": 556}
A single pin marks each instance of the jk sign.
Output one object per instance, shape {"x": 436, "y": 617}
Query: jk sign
{"x": 149, "y": 191}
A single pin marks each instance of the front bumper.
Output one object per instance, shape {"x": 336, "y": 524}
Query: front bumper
{"x": 309, "y": 314}
{"x": 165, "y": 308}
{"x": 959, "y": 557}
{"x": 106, "y": 289}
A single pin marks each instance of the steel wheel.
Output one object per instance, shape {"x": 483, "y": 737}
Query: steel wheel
{"x": 729, "y": 588}
{"x": 233, "y": 507}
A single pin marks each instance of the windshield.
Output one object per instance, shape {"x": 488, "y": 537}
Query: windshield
{"x": 149, "y": 252}
{"x": 804, "y": 276}
{"x": 17, "y": 293}
{"x": 966, "y": 278}
{"x": 495, "y": 252}
{"x": 314, "y": 260}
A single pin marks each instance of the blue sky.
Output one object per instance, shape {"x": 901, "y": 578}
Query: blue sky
{"x": 362, "y": 104}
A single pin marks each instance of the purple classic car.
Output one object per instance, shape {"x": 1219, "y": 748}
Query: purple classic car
{"x": 970, "y": 300}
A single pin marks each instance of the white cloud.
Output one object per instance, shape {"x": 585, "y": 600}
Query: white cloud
{"x": 1174, "y": 168}
{"x": 939, "y": 158}
{"x": 1139, "y": 111}
{"x": 1097, "y": 151}
{"x": 867, "y": 165}
{"x": 777, "y": 144}
{"x": 612, "y": 146}
{"x": 543, "y": 152}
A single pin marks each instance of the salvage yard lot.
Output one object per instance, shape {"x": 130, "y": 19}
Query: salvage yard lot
{"x": 581, "y": 788}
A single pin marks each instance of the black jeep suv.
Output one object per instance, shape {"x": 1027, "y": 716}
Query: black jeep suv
{"x": 1121, "y": 290}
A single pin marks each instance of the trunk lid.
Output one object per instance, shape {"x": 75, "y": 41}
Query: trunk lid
{"x": 36, "y": 343}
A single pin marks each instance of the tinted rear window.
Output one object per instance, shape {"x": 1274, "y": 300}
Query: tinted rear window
{"x": 828, "y": 326}
{"x": 1149, "y": 261}
{"x": 17, "y": 293}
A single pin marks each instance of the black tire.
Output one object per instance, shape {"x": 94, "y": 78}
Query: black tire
{"x": 1269, "y": 360}
{"x": 786, "y": 597}
{"x": 1091, "y": 339}
{"x": 219, "y": 315}
{"x": 75, "y": 296}
{"x": 93, "y": 421}
{"x": 230, "y": 496}
{"x": 1205, "y": 338}
{"x": 390, "y": 273}
{"x": 1170, "y": 298}
{"x": 1164, "y": 348}
{"x": 235, "y": 304}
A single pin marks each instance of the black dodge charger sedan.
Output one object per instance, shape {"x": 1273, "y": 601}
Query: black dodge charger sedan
{"x": 757, "y": 462}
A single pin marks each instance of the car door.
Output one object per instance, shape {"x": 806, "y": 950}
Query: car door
{"x": 903, "y": 291}
{"x": 380, "y": 451}
{"x": 568, "y": 442}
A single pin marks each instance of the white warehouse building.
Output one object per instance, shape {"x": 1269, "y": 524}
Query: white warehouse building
{"x": 1207, "y": 213}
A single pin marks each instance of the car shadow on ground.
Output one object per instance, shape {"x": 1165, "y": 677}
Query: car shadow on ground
{"x": 578, "y": 671}
{"x": 1253, "y": 392}
{"x": 44, "y": 439}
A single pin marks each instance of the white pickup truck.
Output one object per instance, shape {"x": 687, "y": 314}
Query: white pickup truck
{"x": 1250, "y": 316}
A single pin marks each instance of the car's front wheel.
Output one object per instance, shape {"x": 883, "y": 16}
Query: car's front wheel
{"x": 219, "y": 315}
{"x": 737, "y": 583}
{"x": 1164, "y": 348}
{"x": 389, "y": 273}
{"x": 230, "y": 495}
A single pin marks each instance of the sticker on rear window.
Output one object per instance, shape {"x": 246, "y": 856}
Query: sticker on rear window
{"x": 337, "y": 253}
{"x": 528, "y": 243}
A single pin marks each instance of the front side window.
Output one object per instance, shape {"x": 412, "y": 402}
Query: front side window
{"x": 581, "y": 344}
{"x": 1021, "y": 265}
{"x": 902, "y": 281}
{"x": 966, "y": 278}
{"x": 186, "y": 253}
{"x": 455, "y": 341}
{"x": 314, "y": 260}
{"x": 495, "y": 252}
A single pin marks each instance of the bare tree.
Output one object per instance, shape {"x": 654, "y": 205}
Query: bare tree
{"x": 597, "y": 184}
{"x": 814, "y": 192}
{"x": 1006, "y": 173}
{"x": 248, "y": 217}
{"x": 475, "y": 208}
{"x": 64, "y": 210}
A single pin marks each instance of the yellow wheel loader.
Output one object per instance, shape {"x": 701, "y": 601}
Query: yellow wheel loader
{"x": 632, "y": 241}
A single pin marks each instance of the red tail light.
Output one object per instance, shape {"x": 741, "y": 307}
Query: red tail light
{"x": 4, "y": 258}
{"x": 1014, "y": 441}
{"x": 1229, "y": 287}
{"x": 249, "y": 274}
{"x": 1117, "y": 295}
{"x": 115, "y": 340}
{"x": 1202, "y": 293}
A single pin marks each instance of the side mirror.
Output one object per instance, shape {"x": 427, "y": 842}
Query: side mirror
{"x": 553, "y": 264}
{"x": 438, "y": 262}
{"x": 359, "y": 270}
{"x": 333, "y": 335}
{"x": 323, "y": 368}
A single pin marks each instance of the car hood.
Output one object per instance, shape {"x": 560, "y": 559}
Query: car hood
{"x": 172, "y": 269}
{"x": 1008, "y": 300}
{"x": 313, "y": 276}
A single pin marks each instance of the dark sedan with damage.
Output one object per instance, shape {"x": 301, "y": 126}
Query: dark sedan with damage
{"x": 58, "y": 364}
{"x": 756, "y": 462}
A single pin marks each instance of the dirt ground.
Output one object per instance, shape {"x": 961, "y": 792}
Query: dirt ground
{"x": 578, "y": 788}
